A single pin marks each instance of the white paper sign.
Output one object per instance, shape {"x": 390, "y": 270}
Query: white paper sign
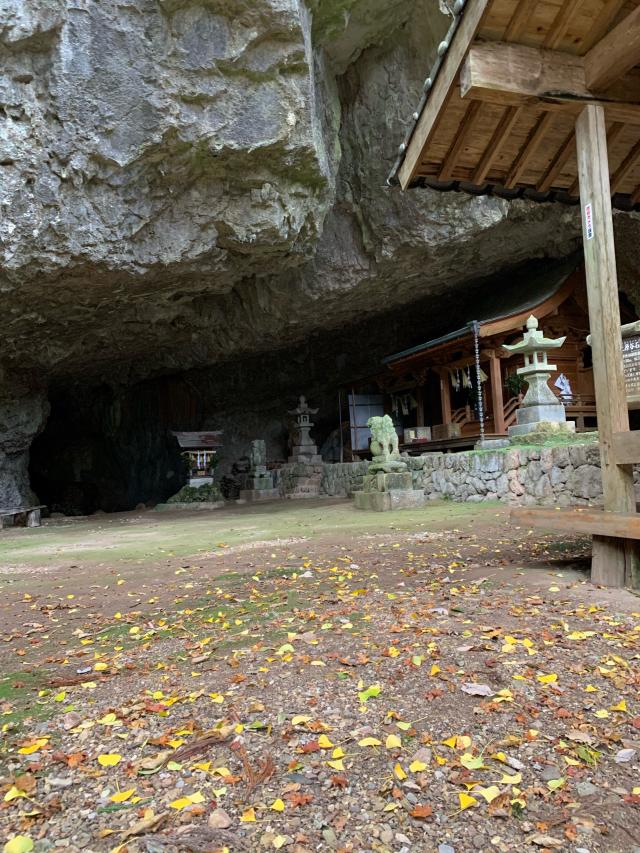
{"x": 588, "y": 221}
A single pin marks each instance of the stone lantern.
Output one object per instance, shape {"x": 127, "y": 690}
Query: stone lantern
{"x": 540, "y": 409}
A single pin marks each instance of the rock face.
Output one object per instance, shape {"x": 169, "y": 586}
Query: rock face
{"x": 184, "y": 183}
{"x": 22, "y": 416}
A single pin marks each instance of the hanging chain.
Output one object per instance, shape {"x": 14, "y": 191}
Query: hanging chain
{"x": 476, "y": 346}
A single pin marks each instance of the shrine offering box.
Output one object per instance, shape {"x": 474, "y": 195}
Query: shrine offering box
{"x": 443, "y": 431}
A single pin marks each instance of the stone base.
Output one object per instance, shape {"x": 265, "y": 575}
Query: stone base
{"x": 385, "y": 482}
{"x": 259, "y": 494}
{"x": 491, "y": 444}
{"x": 393, "y": 499}
{"x": 302, "y": 459}
{"x": 547, "y": 427}
{"x": 188, "y": 506}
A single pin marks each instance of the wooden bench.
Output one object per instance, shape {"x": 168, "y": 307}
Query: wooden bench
{"x": 24, "y": 516}
{"x": 578, "y": 520}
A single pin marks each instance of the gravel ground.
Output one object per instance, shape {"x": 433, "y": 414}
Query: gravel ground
{"x": 455, "y": 691}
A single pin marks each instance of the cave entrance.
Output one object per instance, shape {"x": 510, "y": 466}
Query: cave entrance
{"x": 107, "y": 451}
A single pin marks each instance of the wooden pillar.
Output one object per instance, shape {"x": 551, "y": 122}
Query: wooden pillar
{"x": 614, "y": 561}
{"x": 420, "y": 402}
{"x": 445, "y": 396}
{"x": 496, "y": 394}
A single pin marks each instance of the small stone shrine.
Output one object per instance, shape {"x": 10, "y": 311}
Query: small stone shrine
{"x": 388, "y": 485}
{"x": 257, "y": 484}
{"x": 303, "y": 448}
{"x": 541, "y": 409}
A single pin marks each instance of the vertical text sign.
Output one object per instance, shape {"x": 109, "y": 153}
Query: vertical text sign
{"x": 588, "y": 221}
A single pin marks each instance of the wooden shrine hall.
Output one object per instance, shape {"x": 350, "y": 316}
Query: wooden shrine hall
{"x": 540, "y": 99}
{"x": 440, "y": 377}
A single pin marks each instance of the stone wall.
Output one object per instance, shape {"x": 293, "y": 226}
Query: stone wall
{"x": 565, "y": 475}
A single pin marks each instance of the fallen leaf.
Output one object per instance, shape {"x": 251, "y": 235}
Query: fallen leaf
{"x": 109, "y": 759}
{"x": 393, "y": 742}
{"x": 473, "y": 689}
{"x": 422, "y": 812}
{"x": 18, "y": 844}
{"x": 466, "y": 801}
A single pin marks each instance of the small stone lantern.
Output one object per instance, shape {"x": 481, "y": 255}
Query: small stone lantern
{"x": 540, "y": 408}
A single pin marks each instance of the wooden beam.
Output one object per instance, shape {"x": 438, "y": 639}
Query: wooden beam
{"x": 497, "y": 398}
{"x": 528, "y": 150}
{"x": 614, "y": 55}
{"x": 500, "y": 135}
{"x": 445, "y": 396}
{"x": 613, "y": 565}
{"x": 586, "y": 521}
{"x": 467, "y": 28}
{"x": 465, "y": 128}
{"x": 625, "y": 167}
{"x": 559, "y": 28}
{"x": 626, "y": 447}
{"x": 519, "y": 20}
{"x": 609, "y": 12}
{"x": 513, "y": 74}
{"x": 558, "y": 163}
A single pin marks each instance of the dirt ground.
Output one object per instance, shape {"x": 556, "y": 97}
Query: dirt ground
{"x": 307, "y": 677}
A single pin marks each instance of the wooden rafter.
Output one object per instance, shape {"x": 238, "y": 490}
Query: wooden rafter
{"x": 609, "y": 12}
{"x": 559, "y": 28}
{"x": 565, "y": 151}
{"x": 614, "y": 55}
{"x": 624, "y": 168}
{"x": 453, "y": 155}
{"x": 519, "y": 20}
{"x": 500, "y": 135}
{"x": 444, "y": 81}
{"x": 528, "y": 150}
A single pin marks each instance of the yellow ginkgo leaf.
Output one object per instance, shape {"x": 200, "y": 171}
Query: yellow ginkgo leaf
{"x": 621, "y": 706}
{"x": 489, "y": 793}
{"x": 417, "y": 766}
{"x": 602, "y": 714}
{"x": 32, "y": 747}
{"x": 300, "y": 719}
{"x": 277, "y": 805}
{"x": 393, "y": 742}
{"x": 279, "y": 841}
{"x": 471, "y": 763}
{"x": 14, "y": 794}
{"x": 122, "y": 796}
{"x": 324, "y": 742}
{"x": 109, "y": 720}
{"x": 400, "y": 773}
{"x": 550, "y": 678}
{"x": 248, "y": 816}
{"x": 338, "y": 752}
{"x": 338, "y": 764}
{"x": 369, "y": 741}
{"x": 435, "y": 669}
{"x": 466, "y": 801}
{"x": 513, "y": 779}
{"x": 18, "y": 844}
{"x": 190, "y": 800}
{"x": 554, "y": 784}
{"x": 109, "y": 759}
{"x": 404, "y": 727}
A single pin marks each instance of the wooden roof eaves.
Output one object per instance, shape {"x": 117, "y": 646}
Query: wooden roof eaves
{"x": 486, "y": 328}
{"x": 626, "y": 202}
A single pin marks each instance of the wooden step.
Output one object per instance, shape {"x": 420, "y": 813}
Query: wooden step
{"x": 587, "y": 520}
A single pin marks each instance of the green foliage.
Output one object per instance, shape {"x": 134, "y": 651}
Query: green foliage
{"x": 208, "y": 493}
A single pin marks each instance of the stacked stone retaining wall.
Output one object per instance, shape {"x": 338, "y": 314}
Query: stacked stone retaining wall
{"x": 563, "y": 475}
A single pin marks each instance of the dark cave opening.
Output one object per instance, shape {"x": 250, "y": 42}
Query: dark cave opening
{"x": 101, "y": 450}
